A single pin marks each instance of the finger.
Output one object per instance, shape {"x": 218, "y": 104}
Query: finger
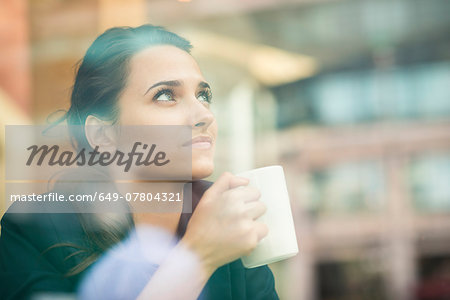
{"x": 261, "y": 230}
{"x": 225, "y": 182}
{"x": 255, "y": 209}
{"x": 252, "y": 194}
{"x": 244, "y": 194}
{"x": 237, "y": 181}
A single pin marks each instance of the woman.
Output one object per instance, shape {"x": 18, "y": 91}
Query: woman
{"x": 143, "y": 76}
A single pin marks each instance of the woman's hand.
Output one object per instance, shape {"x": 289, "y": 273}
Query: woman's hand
{"x": 223, "y": 226}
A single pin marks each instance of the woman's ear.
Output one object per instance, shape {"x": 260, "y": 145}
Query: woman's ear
{"x": 100, "y": 133}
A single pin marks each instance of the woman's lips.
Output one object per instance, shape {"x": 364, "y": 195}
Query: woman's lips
{"x": 201, "y": 145}
{"x": 200, "y": 142}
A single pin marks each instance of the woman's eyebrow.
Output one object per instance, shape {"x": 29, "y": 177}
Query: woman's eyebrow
{"x": 204, "y": 85}
{"x": 169, "y": 83}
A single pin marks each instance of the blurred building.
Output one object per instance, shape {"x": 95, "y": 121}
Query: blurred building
{"x": 351, "y": 97}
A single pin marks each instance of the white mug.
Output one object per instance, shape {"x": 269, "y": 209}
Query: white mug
{"x": 281, "y": 241}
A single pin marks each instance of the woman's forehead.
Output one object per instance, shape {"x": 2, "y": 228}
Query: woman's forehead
{"x": 163, "y": 62}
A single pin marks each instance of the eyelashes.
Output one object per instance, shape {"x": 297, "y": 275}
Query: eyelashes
{"x": 167, "y": 94}
{"x": 207, "y": 94}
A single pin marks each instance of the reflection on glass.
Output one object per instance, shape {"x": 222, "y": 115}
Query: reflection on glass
{"x": 347, "y": 188}
{"x": 418, "y": 92}
{"x": 430, "y": 185}
{"x": 354, "y": 279}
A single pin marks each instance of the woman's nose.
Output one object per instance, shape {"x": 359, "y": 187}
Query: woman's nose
{"x": 202, "y": 116}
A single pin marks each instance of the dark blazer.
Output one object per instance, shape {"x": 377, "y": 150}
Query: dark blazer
{"x": 29, "y": 266}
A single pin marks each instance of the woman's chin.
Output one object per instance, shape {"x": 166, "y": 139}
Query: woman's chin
{"x": 202, "y": 170}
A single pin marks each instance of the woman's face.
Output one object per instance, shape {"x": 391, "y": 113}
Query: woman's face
{"x": 166, "y": 87}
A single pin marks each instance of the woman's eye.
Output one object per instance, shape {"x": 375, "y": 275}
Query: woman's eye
{"x": 205, "y": 96}
{"x": 164, "y": 95}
